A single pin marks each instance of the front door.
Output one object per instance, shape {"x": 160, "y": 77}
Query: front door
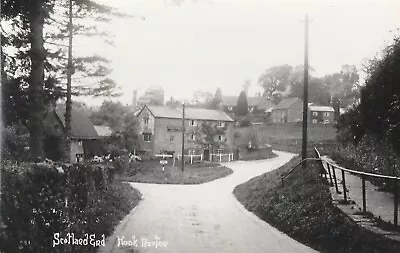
{"x": 206, "y": 155}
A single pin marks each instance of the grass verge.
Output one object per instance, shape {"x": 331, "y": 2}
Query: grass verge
{"x": 304, "y": 210}
{"x": 198, "y": 173}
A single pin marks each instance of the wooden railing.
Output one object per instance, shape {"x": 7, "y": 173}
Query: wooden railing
{"x": 331, "y": 170}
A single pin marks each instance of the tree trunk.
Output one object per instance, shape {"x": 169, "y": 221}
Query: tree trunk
{"x": 36, "y": 82}
{"x": 68, "y": 106}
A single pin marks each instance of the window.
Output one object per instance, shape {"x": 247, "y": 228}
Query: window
{"x": 220, "y": 137}
{"x": 314, "y": 121}
{"x": 315, "y": 113}
{"x": 220, "y": 124}
{"x": 192, "y": 122}
{"x": 220, "y": 151}
{"x": 147, "y": 137}
{"x": 192, "y": 137}
{"x": 172, "y": 138}
{"x": 146, "y": 121}
{"x": 80, "y": 143}
{"x": 191, "y": 152}
{"x": 230, "y": 108}
{"x": 327, "y": 114}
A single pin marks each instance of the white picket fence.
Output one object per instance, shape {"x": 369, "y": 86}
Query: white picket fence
{"x": 192, "y": 158}
{"x": 220, "y": 156}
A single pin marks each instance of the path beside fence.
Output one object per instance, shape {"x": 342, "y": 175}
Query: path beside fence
{"x": 378, "y": 202}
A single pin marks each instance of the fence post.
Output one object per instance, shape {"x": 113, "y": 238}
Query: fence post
{"x": 334, "y": 177}
{"x": 396, "y": 202}
{"x": 363, "y": 194}
{"x": 344, "y": 186}
{"x": 201, "y": 157}
{"x": 211, "y": 157}
{"x": 329, "y": 172}
{"x": 220, "y": 157}
{"x": 191, "y": 159}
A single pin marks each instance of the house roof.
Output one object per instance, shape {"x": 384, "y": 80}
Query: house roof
{"x": 190, "y": 113}
{"x": 81, "y": 126}
{"x": 265, "y": 104}
{"x": 317, "y": 108}
{"x": 251, "y": 101}
{"x": 102, "y": 130}
{"x": 287, "y": 103}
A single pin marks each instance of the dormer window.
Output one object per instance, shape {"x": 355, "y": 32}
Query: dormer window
{"x": 220, "y": 124}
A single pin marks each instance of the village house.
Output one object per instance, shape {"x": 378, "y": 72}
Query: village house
{"x": 321, "y": 114}
{"x": 161, "y": 130}
{"x": 288, "y": 110}
{"x": 83, "y": 134}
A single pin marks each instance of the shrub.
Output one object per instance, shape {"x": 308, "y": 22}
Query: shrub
{"x": 39, "y": 200}
{"x": 245, "y": 122}
{"x": 15, "y": 142}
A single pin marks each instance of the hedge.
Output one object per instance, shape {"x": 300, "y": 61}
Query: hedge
{"x": 40, "y": 199}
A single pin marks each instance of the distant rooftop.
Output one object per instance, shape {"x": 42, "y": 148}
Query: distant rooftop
{"x": 317, "y": 108}
{"x": 190, "y": 113}
{"x": 287, "y": 103}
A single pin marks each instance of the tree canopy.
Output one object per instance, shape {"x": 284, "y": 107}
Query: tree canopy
{"x": 378, "y": 111}
{"x": 36, "y": 69}
{"x": 286, "y": 81}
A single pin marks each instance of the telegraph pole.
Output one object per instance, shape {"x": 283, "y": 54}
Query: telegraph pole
{"x": 183, "y": 136}
{"x": 305, "y": 94}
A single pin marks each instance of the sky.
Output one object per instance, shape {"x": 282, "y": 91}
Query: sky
{"x": 206, "y": 44}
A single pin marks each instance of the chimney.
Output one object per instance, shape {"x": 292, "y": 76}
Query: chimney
{"x": 134, "y": 99}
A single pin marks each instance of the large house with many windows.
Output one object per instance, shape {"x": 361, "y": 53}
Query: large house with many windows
{"x": 206, "y": 131}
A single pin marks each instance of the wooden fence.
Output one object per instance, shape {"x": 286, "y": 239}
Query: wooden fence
{"x": 331, "y": 174}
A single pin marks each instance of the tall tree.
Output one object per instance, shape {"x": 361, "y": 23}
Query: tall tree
{"x": 274, "y": 79}
{"x": 217, "y": 100}
{"x": 344, "y": 86}
{"x": 29, "y": 19}
{"x": 242, "y": 106}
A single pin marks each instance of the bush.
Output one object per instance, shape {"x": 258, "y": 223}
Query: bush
{"x": 15, "y": 142}
{"x": 245, "y": 122}
{"x": 39, "y": 200}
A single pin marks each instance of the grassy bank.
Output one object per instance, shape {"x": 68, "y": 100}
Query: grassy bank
{"x": 303, "y": 209}
{"x": 197, "y": 173}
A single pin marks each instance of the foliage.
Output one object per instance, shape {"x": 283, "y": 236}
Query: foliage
{"x": 207, "y": 134}
{"x": 378, "y": 110}
{"x": 124, "y": 126}
{"x": 15, "y": 141}
{"x": 286, "y": 81}
{"x": 242, "y": 106}
{"x": 38, "y": 201}
{"x": 245, "y": 122}
{"x": 216, "y": 102}
{"x": 37, "y": 65}
{"x": 173, "y": 103}
{"x": 370, "y": 154}
{"x": 110, "y": 114}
